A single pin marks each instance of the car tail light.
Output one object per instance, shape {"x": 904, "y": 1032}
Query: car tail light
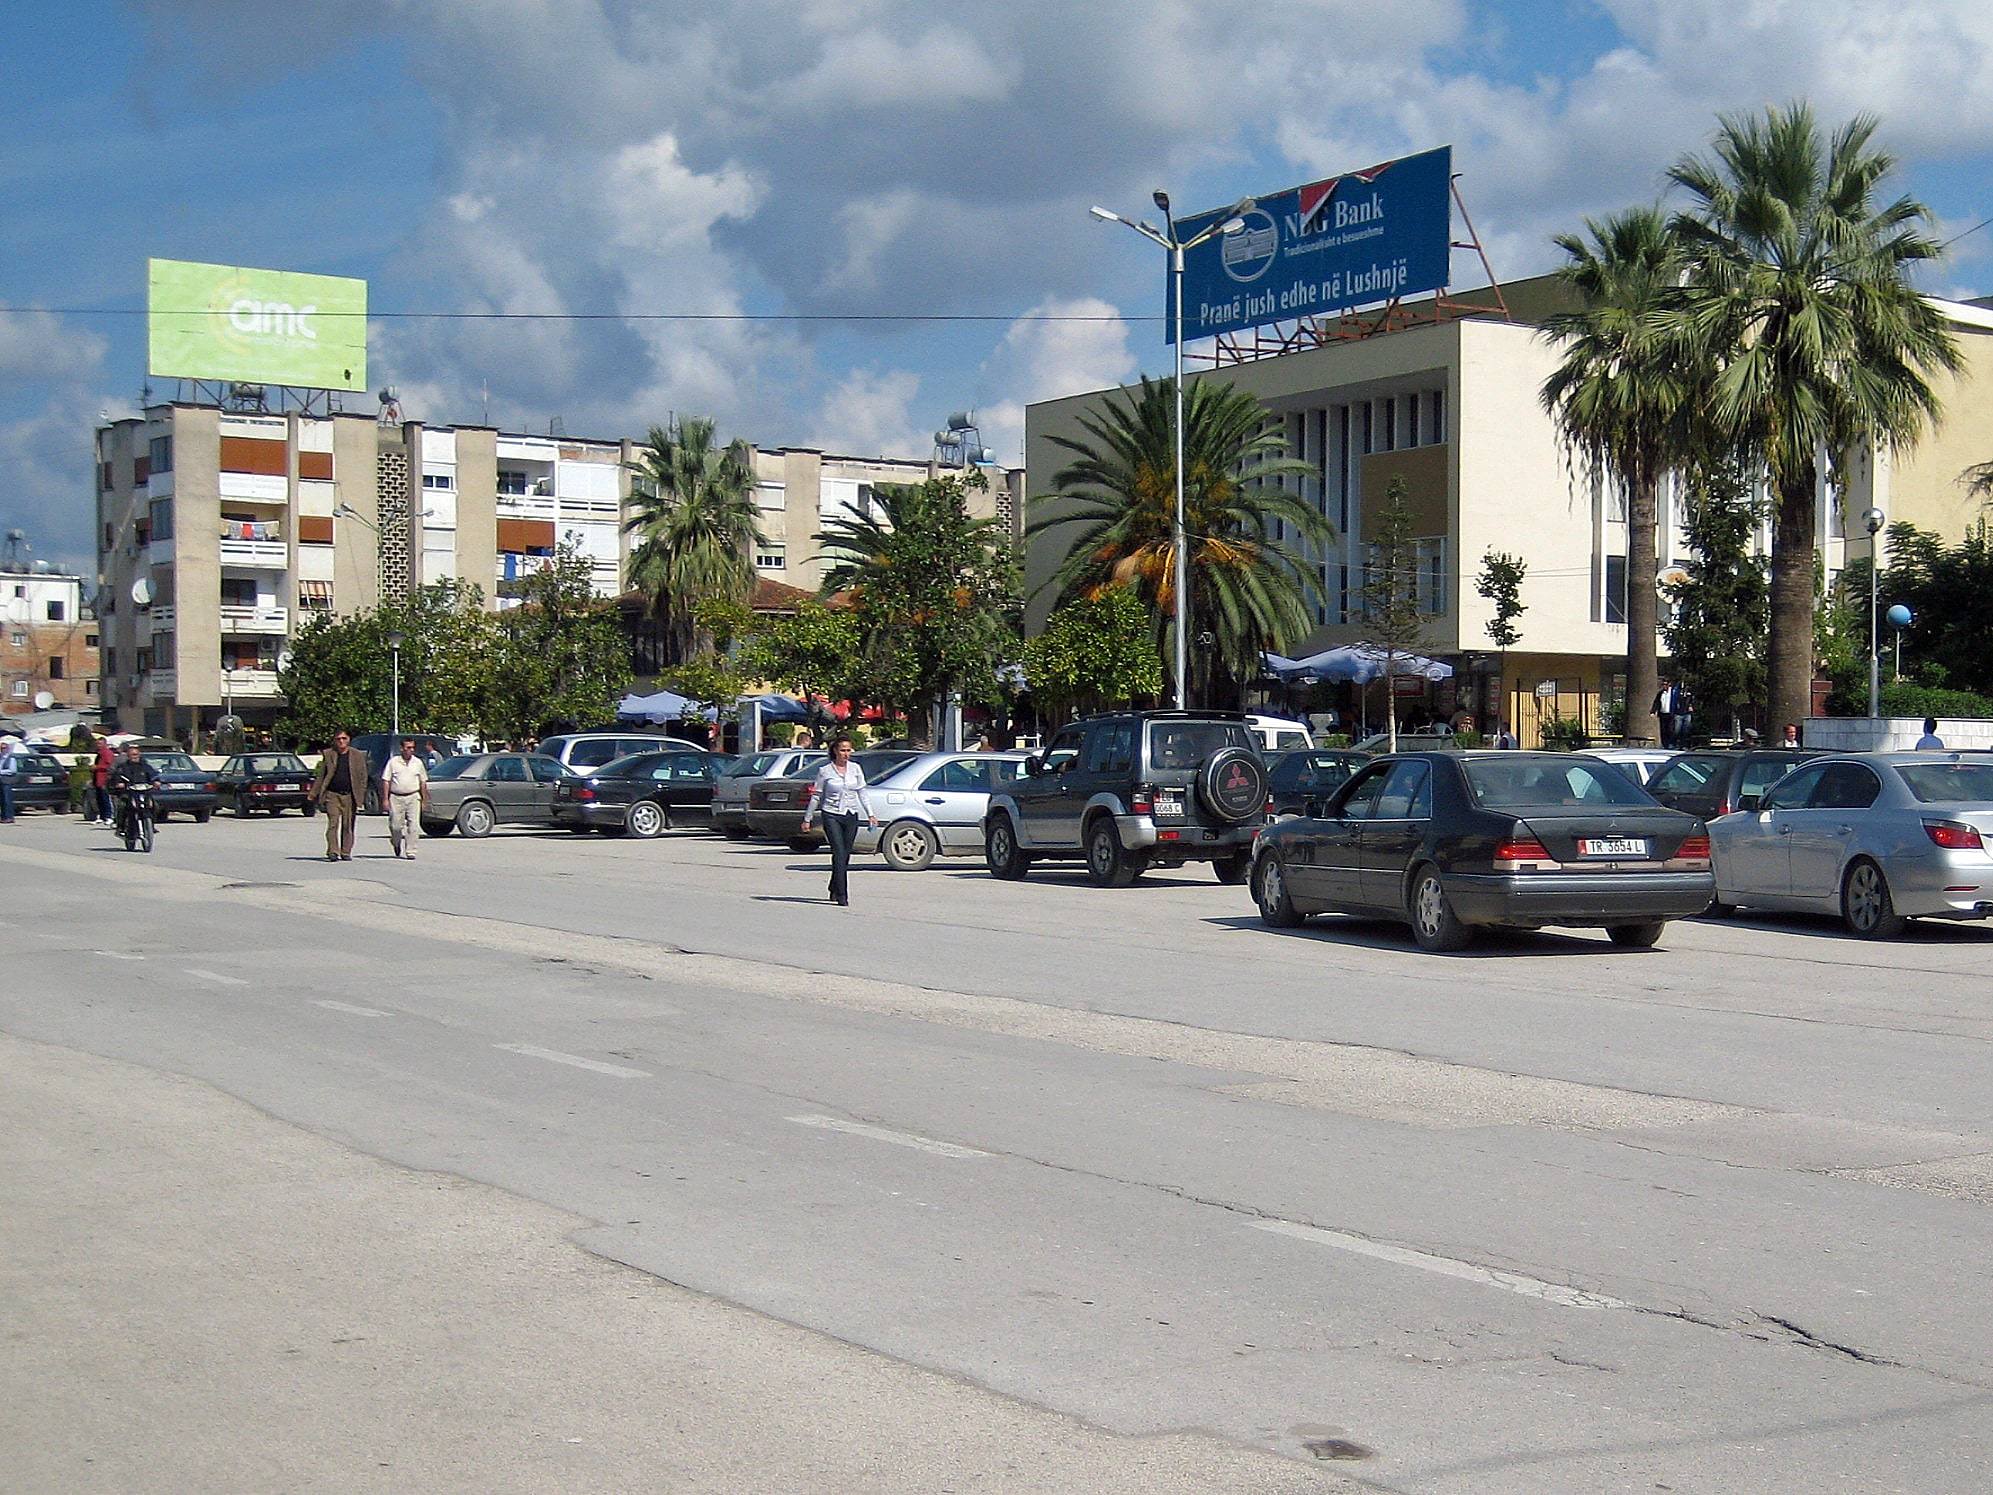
{"x": 1694, "y": 846}
{"x": 582, "y": 791}
{"x": 1954, "y": 835}
{"x": 1692, "y": 855}
{"x": 1521, "y": 854}
{"x": 1142, "y": 801}
{"x": 1724, "y": 806}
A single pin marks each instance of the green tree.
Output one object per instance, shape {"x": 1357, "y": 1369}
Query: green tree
{"x": 1252, "y": 584}
{"x": 340, "y": 670}
{"x": 1716, "y": 632}
{"x": 1095, "y": 653}
{"x": 694, "y": 523}
{"x": 1797, "y": 309}
{"x": 561, "y": 657}
{"x": 817, "y": 652}
{"x": 933, "y": 589}
{"x": 1617, "y": 397}
{"x": 1949, "y": 591}
{"x": 1500, "y": 582}
{"x": 1393, "y": 615}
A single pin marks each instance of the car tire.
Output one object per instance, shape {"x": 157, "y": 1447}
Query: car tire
{"x": 734, "y": 832}
{"x": 1001, "y": 853}
{"x": 1434, "y": 924}
{"x": 201, "y": 817}
{"x": 1108, "y": 864}
{"x": 1637, "y": 936}
{"x": 475, "y": 818}
{"x": 438, "y": 827}
{"x": 1232, "y": 870}
{"x": 1276, "y": 906}
{"x": 1866, "y": 906}
{"x": 646, "y": 820}
{"x": 1232, "y": 785}
{"x": 909, "y": 846}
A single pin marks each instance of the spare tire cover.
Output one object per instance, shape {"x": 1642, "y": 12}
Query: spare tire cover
{"x": 1232, "y": 784}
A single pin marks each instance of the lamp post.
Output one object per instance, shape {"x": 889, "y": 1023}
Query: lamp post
{"x": 394, "y": 649}
{"x": 1874, "y": 519}
{"x": 1900, "y": 618}
{"x": 1175, "y": 248}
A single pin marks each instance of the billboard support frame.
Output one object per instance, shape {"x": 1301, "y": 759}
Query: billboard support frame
{"x": 244, "y": 398}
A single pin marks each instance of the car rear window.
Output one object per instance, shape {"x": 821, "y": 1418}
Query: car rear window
{"x": 1188, "y": 744}
{"x": 1686, "y": 775}
{"x": 452, "y": 768}
{"x": 1511, "y": 783}
{"x": 171, "y": 762}
{"x": 1948, "y": 783}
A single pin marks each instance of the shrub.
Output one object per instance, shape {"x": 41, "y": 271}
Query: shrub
{"x": 1901, "y": 698}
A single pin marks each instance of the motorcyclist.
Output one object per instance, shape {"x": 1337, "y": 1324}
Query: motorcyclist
{"x": 130, "y": 770}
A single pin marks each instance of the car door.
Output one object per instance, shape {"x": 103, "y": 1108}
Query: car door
{"x": 1822, "y": 833}
{"x": 1755, "y": 855}
{"x": 692, "y": 785}
{"x": 1104, "y": 768}
{"x": 510, "y": 787}
{"x": 1392, "y": 834}
{"x": 954, "y": 797}
{"x": 1039, "y": 797}
{"x": 544, "y": 774}
{"x": 1332, "y": 870}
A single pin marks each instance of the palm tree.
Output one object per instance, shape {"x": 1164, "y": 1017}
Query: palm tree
{"x": 1251, "y": 585}
{"x": 1616, "y": 398}
{"x": 694, "y": 521}
{"x": 1798, "y": 305}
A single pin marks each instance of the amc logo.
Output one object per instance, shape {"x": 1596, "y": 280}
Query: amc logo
{"x": 271, "y": 318}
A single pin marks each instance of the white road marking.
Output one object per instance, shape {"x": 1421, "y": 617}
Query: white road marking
{"x": 881, "y": 1134}
{"x": 333, "y": 1006}
{"x": 621, "y": 1072}
{"x": 116, "y": 955}
{"x": 216, "y": 976}
{"x": 1445, "y": 1266}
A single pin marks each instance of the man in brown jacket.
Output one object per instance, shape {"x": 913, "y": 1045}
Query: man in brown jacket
{"x": 340, "y": 786}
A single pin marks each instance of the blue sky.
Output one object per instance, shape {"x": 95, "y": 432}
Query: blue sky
{"x": 864, "y": 158}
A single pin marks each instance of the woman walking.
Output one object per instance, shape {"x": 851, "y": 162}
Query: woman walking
{"x": 839, "y": 796}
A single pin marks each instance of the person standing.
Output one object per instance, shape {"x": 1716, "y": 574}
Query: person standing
{"x": 342, "y": 777}
{"x": 839, "y": 796}
{"x": 10, "y": 764}
{"x": 1930, "y": 741}
{"x": 1791, "y": 738}
{"x": 405, "y": 790}
{"x": 100, "y": 779}
{"x": 1503, "y": 738}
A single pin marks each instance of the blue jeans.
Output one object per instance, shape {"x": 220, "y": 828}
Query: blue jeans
{"x": 840, "y": 831}
{"x": 6, "y": 797}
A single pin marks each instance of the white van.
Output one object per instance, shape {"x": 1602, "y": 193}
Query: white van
{"x": 1277, "y": 734}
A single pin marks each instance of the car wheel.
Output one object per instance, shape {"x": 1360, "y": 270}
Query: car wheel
{"x": 1434, "y": 924}
{"x": 909, "y": 846}
{"x": 1232, "y": 870}
{"x": 646, "y": 819}
{"x": 1001, "y": 853}
{"x": 734, "y": 832}
{"x": 1276, "y": 908}
{"x": 438, "y": 827}
{"x": 1107, "y": 861}
{"x": 475, "y": 818}
{"x": 1637, "y": 936}
{"x": 201, "y": 817}
{"x": 1866, "y": 907}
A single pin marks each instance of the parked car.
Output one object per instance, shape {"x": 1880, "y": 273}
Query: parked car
{"x": 1300, "y": 783}
{"x": 731, "y": 788}
{"x": 431, "y": 747}
{"x": 184, "y": 785}
{"x": 645, "y": 794}
{"x": 1454, "y": 842}
{"x": 1430, "y": 741}
{"x": 1132, "y": 791}
{"x": 477, "y": 792}
{"x": 1714, "y": 782}
{"x": 775, "y": 806}
{"x": 934, "y": 806}
{"x": 1877, "y": 838}
{"x": 267, "y": 782}
{"x": 1279, "y": 734}
{"x": 41, "y": 782}
{"x": 1639, "y": 764}
{"x": 586, "y": 751}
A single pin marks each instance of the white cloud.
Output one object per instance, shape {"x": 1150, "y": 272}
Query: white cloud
{"x": 40, "y": 348}
{"x": 1061, "y": 347}
{"x": 869, "y": 413}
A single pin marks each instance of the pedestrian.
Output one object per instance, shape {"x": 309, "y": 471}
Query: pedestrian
{"x": 1791, "y": 739}
{"x": 1503, "y": 738}
{"x": 839, "y": 796}
{"x": 100, "y": 779}
{"x": 1930, "y": 741}
{"x": 341, "y": 779}
{"x": 405, "y": 790}
{"x": 1751, "y": 737}
{"x": 10, "y": 764}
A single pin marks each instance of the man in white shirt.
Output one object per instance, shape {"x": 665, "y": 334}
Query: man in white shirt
{"x": 1930, "y": 741}
{"x": 405, "y": 788}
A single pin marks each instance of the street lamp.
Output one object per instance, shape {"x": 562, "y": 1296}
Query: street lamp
{"x": 1900, "y": 618}
{"x": 394, "y": 648}
{"x": 1176, "y": 248}
{"x": 1874, "y": 519}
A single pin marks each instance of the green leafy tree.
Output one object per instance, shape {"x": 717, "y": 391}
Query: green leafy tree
{"x": 1392, "y": 613}
{"x": 1949, "y": 591}
{"x": 1617, "y": 398}
{"x": 561, "y": 656}
{"x": 1798, "y": 313}
{"x": 1716, "y": 632}
{"x": 1500, "y": 581}
{"x": 1252, "y": 584}
{"x": 933, "y": 590}
{"x": 1095, "y": 653}
{"x": 340, "y": 670}
{"x": 693, "y": 521}
{"x": 338, "y": 677}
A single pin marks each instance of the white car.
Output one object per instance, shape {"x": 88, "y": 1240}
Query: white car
{"x": 1279, "y": 734}
{"x": 1639, "y": 764}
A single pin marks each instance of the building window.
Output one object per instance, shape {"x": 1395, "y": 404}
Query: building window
{"x": 512, "y": 483}
{"x": 159, "y": 454}
{"x": 161, "y": 515}
{"x": 55, "y": 664}
{"x": 1430, "y": 569}
{"x": 89, "y": 640}
{"x": 770, "y": 560}
{"x": 1615, "y": 589}
{"x": 55, "y": 611}
{"x": 90, "y": 687}
{"x": 21, "y": 689}
{"x": 439, "y": 480}
{"x": 18, "y": 640}
{"x": 315, "y": 596}
{"x": 238, "y": 591}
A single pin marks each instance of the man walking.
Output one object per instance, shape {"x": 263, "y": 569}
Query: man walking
{"x": 405, "y": 790}
{"x": 100, "y": 779}
{"x": 342, "y": 778}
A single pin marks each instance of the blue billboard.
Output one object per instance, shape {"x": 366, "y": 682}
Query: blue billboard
{"x": 1318, "y": 250}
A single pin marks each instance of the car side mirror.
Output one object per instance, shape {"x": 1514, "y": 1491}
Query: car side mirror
{"x": 1750, "y": 801}
{"x": 1033, "y": 766}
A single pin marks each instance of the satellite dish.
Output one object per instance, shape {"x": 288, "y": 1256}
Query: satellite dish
{"x": 1673, "y": 576}
{"x": 43, "y": 700}
{"x": 141, "y": 592}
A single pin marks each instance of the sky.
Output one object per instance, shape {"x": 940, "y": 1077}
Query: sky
{"x": 877, "y": 209}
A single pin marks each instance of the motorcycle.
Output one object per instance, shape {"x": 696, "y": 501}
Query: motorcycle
{"x": 135, "y": 818}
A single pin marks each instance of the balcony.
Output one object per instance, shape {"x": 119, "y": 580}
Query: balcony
{"x": 252, "y": 619}
{"x": 249, "y": 682}
{"x": 161, "y": 619}
{"x": 259, "y": 542}
{"x": 534, "y": 505}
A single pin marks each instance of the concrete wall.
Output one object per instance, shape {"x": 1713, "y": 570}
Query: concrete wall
{"x": 196, "y": 556}
{"x": 1863, "y": 734}
{"x": 356, "y": 575}
{"x": 1924, "y": 486}
{"x": 477, "y": 507}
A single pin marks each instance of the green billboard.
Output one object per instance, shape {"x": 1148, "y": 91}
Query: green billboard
{"x": 255, "y": 326}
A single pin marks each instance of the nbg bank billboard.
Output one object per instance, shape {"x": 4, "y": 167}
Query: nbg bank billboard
{"x": 1321, "y": 249}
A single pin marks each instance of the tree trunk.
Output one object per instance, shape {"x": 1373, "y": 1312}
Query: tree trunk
{"x": 1642, "y": 673}
{"x": 1789, "y": 662}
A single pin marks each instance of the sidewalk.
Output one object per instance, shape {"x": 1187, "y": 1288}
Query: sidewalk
{"x": 196, "y": 1297}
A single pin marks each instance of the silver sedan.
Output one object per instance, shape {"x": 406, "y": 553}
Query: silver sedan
{"x": 1877, "y": 838}
{"x": 934, "y": 806}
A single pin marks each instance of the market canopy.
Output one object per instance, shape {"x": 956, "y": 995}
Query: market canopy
{"x": 777, "y": 708}
{"x": 662, "y": 706}
{"x": 1357, "y": 663}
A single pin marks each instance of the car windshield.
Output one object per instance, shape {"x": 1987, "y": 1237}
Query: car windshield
{"x": 1187, "y": 744}
{"x": 636, "y": 766}
{"x": 453, "y": 768}
{"x": 171, "y": 762}
{"x": 1948, "y": 783}
{"x": 1513, "y": 783}
{"x": 751, "y": 767}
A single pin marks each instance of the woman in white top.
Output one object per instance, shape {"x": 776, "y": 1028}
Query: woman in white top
{"x": 839, "y": 796}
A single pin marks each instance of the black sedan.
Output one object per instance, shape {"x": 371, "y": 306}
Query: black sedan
{"x": 1452, "y": 842}
{"x": 41, "y": 781}
{"x": 184, "y": 786}
{"x": 267, "y": 782}
{"x": 644, "y": 794}
{"x": 1300, "y": 782}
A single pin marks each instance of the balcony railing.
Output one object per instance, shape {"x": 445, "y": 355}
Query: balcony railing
{"x": 253, "y": 619}
{"x": 161, "y": 619}
{"x": 253, "y": 542}
{"x": 249, "y": 682}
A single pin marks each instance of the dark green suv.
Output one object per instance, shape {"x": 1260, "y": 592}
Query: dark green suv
{"x": 1132, "y": 791}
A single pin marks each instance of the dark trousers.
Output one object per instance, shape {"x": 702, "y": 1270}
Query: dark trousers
{"x": 101, "y": 798}
{"x": 840, "y": 831}
{"x": 7, "y": 797}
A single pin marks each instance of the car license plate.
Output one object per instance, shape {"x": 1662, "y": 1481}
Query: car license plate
{"x": 1622, "y": 847}
{"x": 1169, "y": 804}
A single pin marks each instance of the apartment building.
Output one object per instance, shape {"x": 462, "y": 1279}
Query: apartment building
{"x": 220, "y": 533}
{"x": 48, "y": 639}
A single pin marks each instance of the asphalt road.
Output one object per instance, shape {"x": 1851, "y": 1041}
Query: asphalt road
{"x": 1550, "y": 1216}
